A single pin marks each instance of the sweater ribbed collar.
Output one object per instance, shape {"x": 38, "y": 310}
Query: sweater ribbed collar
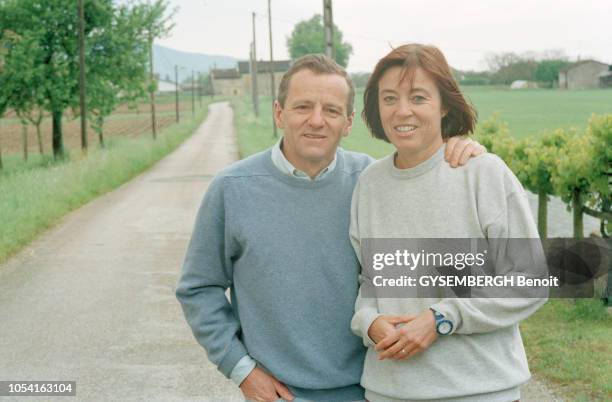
{"x": 419, "y": 169}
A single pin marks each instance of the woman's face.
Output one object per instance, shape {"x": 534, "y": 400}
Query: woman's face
{"x": 411, "y": 114}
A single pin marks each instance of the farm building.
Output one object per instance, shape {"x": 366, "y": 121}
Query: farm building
{"x": 605, "y": 78}
{"x": 583, "y": 75}
{"x": 227, "y": 82}
{"x": 164, "y": 87}
{"x": 237, "y": 81}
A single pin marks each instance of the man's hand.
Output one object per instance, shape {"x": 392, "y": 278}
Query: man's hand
{"x": 414, "y": 337}
{"x": 262, "y": 387}
{"x": 460, "y": 149}
{"x": 384, "y": 326}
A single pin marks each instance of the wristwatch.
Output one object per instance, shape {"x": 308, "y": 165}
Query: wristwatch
{"x": 443, "y": 326}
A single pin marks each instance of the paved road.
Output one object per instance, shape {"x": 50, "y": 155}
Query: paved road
{"x": 92, "y": 300}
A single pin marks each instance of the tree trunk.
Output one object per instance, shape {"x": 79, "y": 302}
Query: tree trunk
{"x": 152, "y": 91}
{"x": 24, "y": 137}
{"x": 40, "y": 144}
{"x": 58, "y": 140}
{"x": 101, "y": 138}
{"x": 542, "y": 215}
{"x": 577, "y": 207}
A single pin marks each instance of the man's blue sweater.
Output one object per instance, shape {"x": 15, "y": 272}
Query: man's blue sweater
{"x": 281, "y": 245}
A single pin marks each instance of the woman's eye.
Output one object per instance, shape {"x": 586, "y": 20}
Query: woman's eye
{"x": 419, "y": 99}
{"x": 389, "y": 99}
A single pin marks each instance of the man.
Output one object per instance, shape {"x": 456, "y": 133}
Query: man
{"x": 273, "y": 228}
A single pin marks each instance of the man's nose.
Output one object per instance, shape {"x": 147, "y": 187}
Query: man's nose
{"x": 316, "y": 117}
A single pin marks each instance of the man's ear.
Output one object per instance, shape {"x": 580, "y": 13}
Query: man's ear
{"x": 349, "y": 124}
{"x": 278, "y": 115}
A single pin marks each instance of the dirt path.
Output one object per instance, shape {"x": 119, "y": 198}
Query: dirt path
{"x": 92, "y": 300}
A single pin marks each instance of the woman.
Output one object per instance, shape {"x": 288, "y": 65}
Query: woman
{"x": 445, "y": 349}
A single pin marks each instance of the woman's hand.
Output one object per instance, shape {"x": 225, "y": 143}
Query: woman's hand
{"x": 384, "y": 326}
{"x": 460, "y": 149}
{"x": 408, "y": 340}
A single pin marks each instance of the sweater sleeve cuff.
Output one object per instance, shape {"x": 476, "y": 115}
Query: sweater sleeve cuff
{"x": 236, "y": 351}
{"x": 242, "y": 369}
{"x": 450, "y": 312}
{"x": 364, "y": 319}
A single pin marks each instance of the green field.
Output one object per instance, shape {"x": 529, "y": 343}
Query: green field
{"x": 528, "y": 112}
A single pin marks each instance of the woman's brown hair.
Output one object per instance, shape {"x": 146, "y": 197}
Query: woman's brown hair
{"x": 460, "y": 118}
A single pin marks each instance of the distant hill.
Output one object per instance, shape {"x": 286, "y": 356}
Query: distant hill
{"x": 164, "y": 60}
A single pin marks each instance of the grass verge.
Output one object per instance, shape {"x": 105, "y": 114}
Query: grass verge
{"x": 35, "y": 196}
{"x": 568, "y": 343}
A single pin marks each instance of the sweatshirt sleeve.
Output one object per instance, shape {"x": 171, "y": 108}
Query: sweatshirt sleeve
{"x": 366, "y": 309}
{"x": 478, "y": 315}
{"x": 205, "y": 277}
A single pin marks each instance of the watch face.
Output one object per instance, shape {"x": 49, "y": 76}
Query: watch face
{"x": 444, "y": 327}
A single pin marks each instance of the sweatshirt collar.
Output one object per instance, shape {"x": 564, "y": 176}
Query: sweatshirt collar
{"x": 419, "y": 169}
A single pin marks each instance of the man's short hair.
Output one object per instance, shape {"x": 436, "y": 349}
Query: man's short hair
{"x": 318, "y": 64}
{"x": 461, "y": 115}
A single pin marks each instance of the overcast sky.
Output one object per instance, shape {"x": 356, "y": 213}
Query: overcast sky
{"x": 464, "y": 30}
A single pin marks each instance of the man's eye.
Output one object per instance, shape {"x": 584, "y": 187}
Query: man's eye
{"x": 301, "y": 107}
{"x": 333, "y": 111}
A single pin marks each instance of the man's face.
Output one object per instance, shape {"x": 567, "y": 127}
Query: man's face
{"x": 314, "y": 118}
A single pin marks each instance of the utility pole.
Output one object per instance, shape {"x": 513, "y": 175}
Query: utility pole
{"x": 152, "y": 92}
{"x": 82, "y": 100}
{"x": 211, "y": 88}
{"x": 192, "y": 93}
{"x": 328, "y": 26}
{"x": 200, "y": 89}
{"x": 272, "y": 84}
{"x": 177, "y": 92}
{"x": 254, "y": 72}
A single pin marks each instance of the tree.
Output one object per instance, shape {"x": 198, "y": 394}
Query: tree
{"x": 22, "y": 82}
{"x": 118, "y": 65}
{"x": 548, "y": 70}
{"x": 52, "y": 30}
{"x": 599, "y": 129}
{"x": 538, "y": 168}
{"x": 157, "y": 22}
{"x": 309, "y": 37}
{"x": 497, "y": 61}
{"x": 573, "y": 177}
{"x": 519, "y": 70}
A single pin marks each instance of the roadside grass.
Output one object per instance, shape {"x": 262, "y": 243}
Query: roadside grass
{"x": 568, "y": 343}
{"x": 34, "y": 196}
